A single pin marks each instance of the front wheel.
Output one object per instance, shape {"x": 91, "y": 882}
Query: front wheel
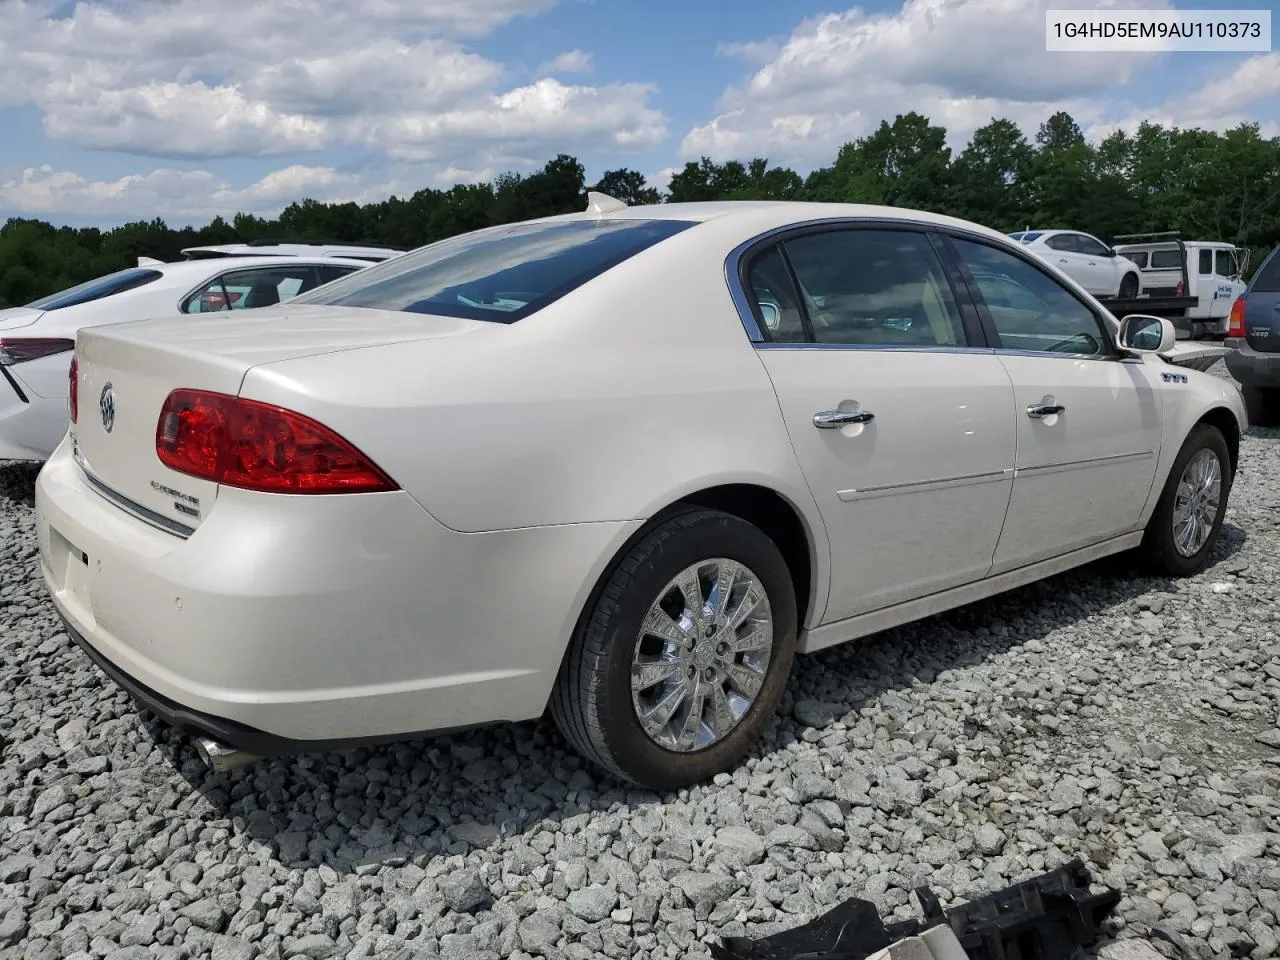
{"x": 1129, "y": 286}
{"x": 1188, "y": 518}
{"x": 684, "y": 653}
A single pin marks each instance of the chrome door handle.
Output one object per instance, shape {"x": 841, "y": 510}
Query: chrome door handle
{"x": 1036, "y": 411}
{"x": 831, "y": 419}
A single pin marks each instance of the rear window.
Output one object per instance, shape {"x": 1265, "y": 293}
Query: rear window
{"x": 1138, "y": 257}
{"x": 502, "y": 274}
{"x": 112, "y": 283}
{"x": 1166, "y": 260}
{"x": 1267, "y": 279}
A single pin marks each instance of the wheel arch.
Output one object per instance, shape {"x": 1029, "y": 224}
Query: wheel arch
{"x": 1226, "y": 423}
{"x": 1217, "y": 413}
{"x": 803, "y": 547}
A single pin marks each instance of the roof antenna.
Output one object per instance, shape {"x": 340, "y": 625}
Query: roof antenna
{"x": 598, "y": 204}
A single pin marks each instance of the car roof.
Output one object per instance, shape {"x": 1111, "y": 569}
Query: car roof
{"x": 763, "y": 215}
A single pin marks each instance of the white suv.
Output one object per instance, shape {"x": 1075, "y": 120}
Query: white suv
{"x": 36, "y": 340}
{"x": 1086, "y": 260}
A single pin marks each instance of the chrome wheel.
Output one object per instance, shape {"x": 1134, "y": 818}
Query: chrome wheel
{"x": 1195, "y": 505}
{"x": 702, "y": 655}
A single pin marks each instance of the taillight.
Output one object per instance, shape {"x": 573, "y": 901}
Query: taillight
{"x": 1235, "y": 326}
{"x": 257, "y": 446}
{"x": 73, "y": 389}
{"x": 1180, "y": 289}
{"x": 21, "y": 349}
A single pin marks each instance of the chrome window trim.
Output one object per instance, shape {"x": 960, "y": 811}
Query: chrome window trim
{"x": 746, "y": 314}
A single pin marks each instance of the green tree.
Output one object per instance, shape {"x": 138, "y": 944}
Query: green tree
{"x": 629, "y": 186}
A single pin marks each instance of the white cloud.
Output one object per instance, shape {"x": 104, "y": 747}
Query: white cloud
{"x": 1220, "y": 104}
{"x": 191, "y": 79}
{"x": 959, "y": 62}
{"x": 575, "y": 61}
{"x": 179, "y": 195}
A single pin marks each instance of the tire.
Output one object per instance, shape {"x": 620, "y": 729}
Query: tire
{"x": 592, "y": 702}
{"x": 1128, "y": 286}
{"x": 1159, "y": 542}
{"x": 1262, "y": 404}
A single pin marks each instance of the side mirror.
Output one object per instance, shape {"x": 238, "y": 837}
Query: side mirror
{"x": 771, "y": 315}
{"x": 1140, "y": 333}
{"x": 1111, "y": 251}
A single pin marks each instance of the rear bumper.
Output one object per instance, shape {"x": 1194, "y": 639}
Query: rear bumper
{"x": 1251, "y": 368}
{"x": 30, "y": 425}
{"x": 293, "y": 623}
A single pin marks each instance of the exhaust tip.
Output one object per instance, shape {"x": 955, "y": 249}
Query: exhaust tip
{"x": 220, "y": 757}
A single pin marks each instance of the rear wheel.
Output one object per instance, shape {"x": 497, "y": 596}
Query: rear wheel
{"x": 1262, "y": 404}
{"x": 684, "y": 653}
{"x": 1129, "y": 286}
{"x": 1188, "y": 518}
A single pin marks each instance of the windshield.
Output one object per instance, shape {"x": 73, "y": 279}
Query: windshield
{"x": 112, "y": 283}
{"x": 1025, "y": 237}
{"x": 501, "y": 274}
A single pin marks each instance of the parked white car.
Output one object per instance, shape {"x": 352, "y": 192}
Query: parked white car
{"x": 273, "y": 248}
{"x": 625, "y": 463}
{"x": 36, "y": 340}
{"x": 1086, "y": 260}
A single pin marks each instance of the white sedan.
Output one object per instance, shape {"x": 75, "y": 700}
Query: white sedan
{"x": 1086, "y": 260}
{"x": 36, "y": 340}
{"x": 623, "y": 463}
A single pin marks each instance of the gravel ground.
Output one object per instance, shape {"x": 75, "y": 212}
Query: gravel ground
{"x": 1125, "y": 719}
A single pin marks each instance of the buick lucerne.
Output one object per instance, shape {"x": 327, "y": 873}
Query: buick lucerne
{"x": 622, "y": 464}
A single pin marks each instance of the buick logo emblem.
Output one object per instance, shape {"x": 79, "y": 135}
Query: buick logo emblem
{"x": 107, "y": 405}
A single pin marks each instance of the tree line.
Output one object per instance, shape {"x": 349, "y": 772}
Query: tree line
{"x": 1205, "y": 185}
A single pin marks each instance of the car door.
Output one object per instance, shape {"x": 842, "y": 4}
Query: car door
{"x": 900, "y": 417}
{"x": 1100, "y": 265}
{"x": 1088, "y": 420}
{"x": 1064, "y": 253}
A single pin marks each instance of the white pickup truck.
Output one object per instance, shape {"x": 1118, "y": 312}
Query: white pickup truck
{"x": 1192, "y": 282}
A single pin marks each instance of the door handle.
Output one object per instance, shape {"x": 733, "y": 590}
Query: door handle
{"x": 1063, "y": 260}
{"x": 831, "y": 419}
{"x": 1037, "y": 411}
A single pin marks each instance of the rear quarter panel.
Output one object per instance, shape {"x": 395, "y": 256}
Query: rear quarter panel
{"x": 637, "y": 389}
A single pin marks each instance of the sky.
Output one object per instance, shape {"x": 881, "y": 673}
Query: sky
{"x": 115, "y": 110}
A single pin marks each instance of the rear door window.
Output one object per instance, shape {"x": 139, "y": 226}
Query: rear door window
{"x": 1166, "y": 260}
{"x": 502, "y": 274}
{"x": 1063, "y": 241}
{"x": 256, "y": 287}
{"x": 877, "y": 287}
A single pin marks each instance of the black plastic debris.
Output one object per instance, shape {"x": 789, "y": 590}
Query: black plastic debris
{"x": 1045, "y": 918}
{"x": 851, "y": 931}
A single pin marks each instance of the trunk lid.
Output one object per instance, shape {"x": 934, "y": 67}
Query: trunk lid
{"x": 127, "y": 370}
{"x": 15, "y": 317}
